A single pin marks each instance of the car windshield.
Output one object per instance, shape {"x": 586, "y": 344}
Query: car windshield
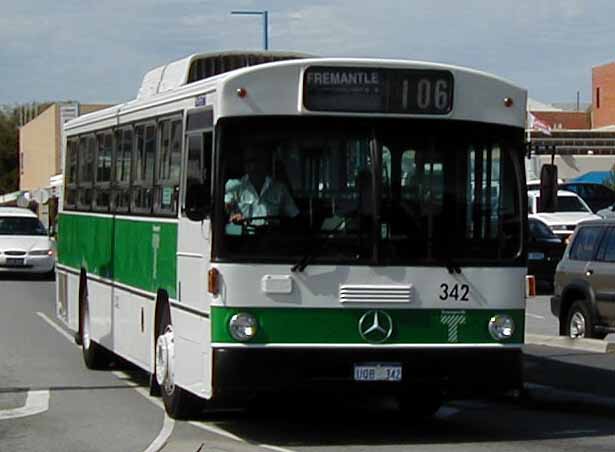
{"x": 539, "y": 230}
{"x": 570, "y": 204}
{"x": 21, "y": 226}
{"x": 372, "y": 192}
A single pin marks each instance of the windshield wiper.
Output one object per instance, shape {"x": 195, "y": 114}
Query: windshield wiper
{"x": 452, "y": 267}
{"x": 315, "y": 247}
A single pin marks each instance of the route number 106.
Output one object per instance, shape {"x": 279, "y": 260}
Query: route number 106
{"x": 430, "y": 94}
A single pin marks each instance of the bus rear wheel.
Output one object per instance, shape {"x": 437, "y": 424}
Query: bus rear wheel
{"x": 95, "y": 357}
{"x": 178, "y": 403}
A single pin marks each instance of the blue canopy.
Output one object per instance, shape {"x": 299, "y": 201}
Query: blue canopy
{"x": 596, "y": 177}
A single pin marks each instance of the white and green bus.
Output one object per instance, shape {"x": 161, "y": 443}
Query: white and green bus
{"x": 384, "y": 251}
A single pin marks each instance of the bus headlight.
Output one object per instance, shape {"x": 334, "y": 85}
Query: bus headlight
{"x": 243, "y": 326}
{"x": 501, "y": 327}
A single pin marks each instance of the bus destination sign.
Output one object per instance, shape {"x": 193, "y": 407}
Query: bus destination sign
{"x": 378, "y": 90}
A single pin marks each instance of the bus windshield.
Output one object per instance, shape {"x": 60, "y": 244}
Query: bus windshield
{"x": 373, "y": 192}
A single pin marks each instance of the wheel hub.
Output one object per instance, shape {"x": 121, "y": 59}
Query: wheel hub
{"x": 85, "y": 327}
{"x": 577, "y": 325}
{"x": 165, "y": 355}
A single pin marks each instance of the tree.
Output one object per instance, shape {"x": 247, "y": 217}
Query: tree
{"x": 9, "y": 151}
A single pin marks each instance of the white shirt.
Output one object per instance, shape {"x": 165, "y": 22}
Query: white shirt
{"x": 272, "y": 201}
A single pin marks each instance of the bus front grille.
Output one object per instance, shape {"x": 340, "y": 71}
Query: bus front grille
{"x": 375, "y": 293}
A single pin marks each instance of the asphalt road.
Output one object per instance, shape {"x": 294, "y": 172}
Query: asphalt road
{"x": 41, "y": 372}
{"x": 50, "y": 402}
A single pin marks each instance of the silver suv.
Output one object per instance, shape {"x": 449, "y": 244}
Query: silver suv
{"x": 584, "y": 298}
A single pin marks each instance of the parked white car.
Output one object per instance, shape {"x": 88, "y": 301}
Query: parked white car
{"x": 608, "y": 212}
{"x": 571, "y": 210}
{"x": 25, "y": 246}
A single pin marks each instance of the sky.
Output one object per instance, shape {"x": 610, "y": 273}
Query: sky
{"x": 97, "y": 51}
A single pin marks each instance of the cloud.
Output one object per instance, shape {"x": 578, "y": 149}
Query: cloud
{"x": 99, "y": 50}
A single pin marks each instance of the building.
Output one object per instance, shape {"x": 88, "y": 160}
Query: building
{"x": 40, "y": 155}
{"x": 603, "y": 95}
{"x": 582, "y": 137}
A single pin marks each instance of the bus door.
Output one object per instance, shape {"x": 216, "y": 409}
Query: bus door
{"x": 193, "y": 246}
{"x": 193, "y": 253}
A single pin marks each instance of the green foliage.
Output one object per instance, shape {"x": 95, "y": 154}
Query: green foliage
{"x": 9, "y": 151}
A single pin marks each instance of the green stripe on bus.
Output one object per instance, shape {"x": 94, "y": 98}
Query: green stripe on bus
{"x": 341, "y": 326}
{"x": 144, "y": 255}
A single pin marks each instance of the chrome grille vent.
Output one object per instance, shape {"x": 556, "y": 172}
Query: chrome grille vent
{"x": 15, "y": 253}
{"x": 375, "y": 294}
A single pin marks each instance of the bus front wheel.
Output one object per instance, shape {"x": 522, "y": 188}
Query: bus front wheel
{"x": 178, "y": 403}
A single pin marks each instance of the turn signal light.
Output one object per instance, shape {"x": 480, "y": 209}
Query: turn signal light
{"x": 212, "y": 281}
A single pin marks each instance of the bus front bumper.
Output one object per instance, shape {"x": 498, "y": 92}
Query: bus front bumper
{"x": 456, "y": 372}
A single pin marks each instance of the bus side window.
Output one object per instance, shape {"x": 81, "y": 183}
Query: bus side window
{"x": 143, "y": 169}
{"x": 70, "y": 188}
{"x": 87, "y": 149}
{"x": 198, "y": 176}
{"x": 166, "y": 185}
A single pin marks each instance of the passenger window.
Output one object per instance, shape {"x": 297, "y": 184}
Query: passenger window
{"x": 143, "y": 174}
{"x": 169, "y": 158}
{"x": 607, "y": 249}
{"x": 72, "y": 154}
{"x": 585, "y": 243}
{"x": 121, "y": 187}
{"x": 87, "y": 150}
{"x": 104, "y": 157}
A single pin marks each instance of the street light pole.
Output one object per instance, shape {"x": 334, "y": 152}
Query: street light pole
{"x": 265, "y": 15}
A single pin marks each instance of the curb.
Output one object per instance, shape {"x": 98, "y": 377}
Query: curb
{"x": 588, "y": 345}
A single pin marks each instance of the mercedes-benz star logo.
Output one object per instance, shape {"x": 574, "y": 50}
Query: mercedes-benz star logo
{"x": 375, "y": 326}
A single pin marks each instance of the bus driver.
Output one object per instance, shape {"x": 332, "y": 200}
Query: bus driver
{"x": 256, "y": 194}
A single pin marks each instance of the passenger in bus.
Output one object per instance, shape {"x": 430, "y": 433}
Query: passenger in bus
{"x": 257, "y": 194}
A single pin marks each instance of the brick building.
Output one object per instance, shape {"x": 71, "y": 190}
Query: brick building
{"x": 603, "y": 95}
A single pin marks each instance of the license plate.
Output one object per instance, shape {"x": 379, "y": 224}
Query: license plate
{"x": 377, "y": 372}
{"x": 15, "y": 261}
{"x": 535, "y": 256}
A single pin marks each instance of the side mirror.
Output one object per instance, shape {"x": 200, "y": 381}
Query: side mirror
{"x": 548, "y": 188}
{"x": 198, "y": 202}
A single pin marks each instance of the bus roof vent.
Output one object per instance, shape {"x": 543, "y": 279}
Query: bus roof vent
{"x": 201, "y": 66}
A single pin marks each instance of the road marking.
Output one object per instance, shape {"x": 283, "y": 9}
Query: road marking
{"x": 36, "y": 402}
{"x": 162, "y": 438}
{"x": 126, "y": 379}
{"x": 534, "y": 316}
{"x": 167, "y": 427}
{"x": 168, "y": 424}
{"x": 56, "y": 327}
{"x": 216, "y": 430}
{"x": 221, "y": 432}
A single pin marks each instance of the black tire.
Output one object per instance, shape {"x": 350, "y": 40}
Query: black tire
{"x": 95, "y": 357}
{"x": 420, "y": 405}
{"x": 580, "y": 322}
{"x": 49, "y": 276}
{"x": 178, "y": 403}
